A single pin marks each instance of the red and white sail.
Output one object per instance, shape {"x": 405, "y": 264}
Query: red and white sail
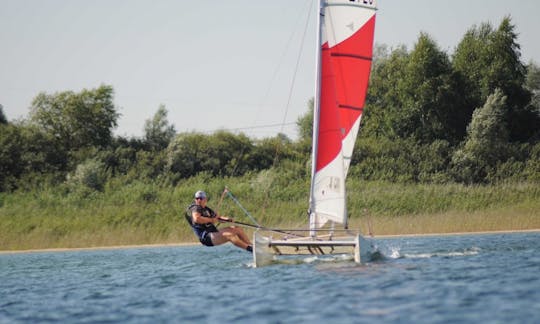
{"x": 344, "y": 64}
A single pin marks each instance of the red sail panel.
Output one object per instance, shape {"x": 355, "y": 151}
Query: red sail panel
{"x": 345, "y": 70}
{"x": 329, "y": 130}
{"x": 351, "y": 60}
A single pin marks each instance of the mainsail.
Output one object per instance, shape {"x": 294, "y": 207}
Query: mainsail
{"x": 344, "y": 63}
{"x": 345, "y": 37}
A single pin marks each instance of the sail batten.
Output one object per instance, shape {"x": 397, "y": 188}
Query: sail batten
{"x": 344, "y": 64}
{"x": 356, "y": 56}
{"x": 351, "y": 107}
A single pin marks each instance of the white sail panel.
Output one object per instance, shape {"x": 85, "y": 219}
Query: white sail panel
{"x": 348, "y": 146}
{"x": 343, "y": 19}
{"x": 329, "y": 194}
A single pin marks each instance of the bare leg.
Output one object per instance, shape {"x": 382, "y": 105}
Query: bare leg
{"x": 234, "y": 239}
{"x": 241, "y": 234}
{"x": 234, "y": 235}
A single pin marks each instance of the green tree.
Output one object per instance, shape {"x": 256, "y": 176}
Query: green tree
{"x": 25, "y": 151}
{"x": 381, "y": 53}
{"x": 431, "y": 105}
{"x": 416, "y": 95}
{"x": 10, "y": 156}
{"x": 77, "y": 120}
{"x": 233, "y": 154}
{"x": 400, "y": 160}
{"x": 220, "y": 154}
{"x": 183, "y": 154}
{"x": 532, "y": 80}
{"x": 149, "y": 165}
{"x": 486, "y": 143}
{"x": 119, "y": 160}
{"x": 305, "y": 123}
{"x": 490, "y": 59}
{"x": 532, "y": 83}
{"x": 472, "y": 61}
{"x": 157, "y": 131}
{"x": 383, "y": 100}
{"x": 272, "y": 151}
{"x": 3, "y": 119}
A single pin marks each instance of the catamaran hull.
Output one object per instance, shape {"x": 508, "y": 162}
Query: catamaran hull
{"x": 267, "y": 251}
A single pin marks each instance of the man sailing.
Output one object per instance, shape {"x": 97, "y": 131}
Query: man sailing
{"x": 202, "y": 219}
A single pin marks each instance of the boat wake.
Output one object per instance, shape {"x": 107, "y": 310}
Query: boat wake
{"x": 379, "y": 254}
{"x": 308, "y": 259}
{"x": 395, "y": 253}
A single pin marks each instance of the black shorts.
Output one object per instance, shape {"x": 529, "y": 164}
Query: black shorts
{"x": 206, "y": 239}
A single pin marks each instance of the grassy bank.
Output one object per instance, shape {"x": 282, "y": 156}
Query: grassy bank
{"x": 143, "y": 213}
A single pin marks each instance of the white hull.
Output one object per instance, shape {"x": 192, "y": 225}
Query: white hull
{"x": 266, "y": 250}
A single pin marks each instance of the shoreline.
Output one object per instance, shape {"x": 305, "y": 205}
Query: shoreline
{"x": 98, "y": 248}
{"x": 458, "y": 233}
{"x": 185, "y": 244}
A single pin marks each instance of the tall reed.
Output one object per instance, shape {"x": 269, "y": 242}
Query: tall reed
{"x": 136, "y": 212}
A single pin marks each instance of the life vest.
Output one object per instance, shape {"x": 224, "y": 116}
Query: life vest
{"x": 206, "y": 212}
{"x": 187, "y": 215}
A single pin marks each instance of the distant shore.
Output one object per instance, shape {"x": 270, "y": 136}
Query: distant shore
{"x": 461, "y": 233}
{"x": 139, "y": 246}
{"x": 98, "y": 248}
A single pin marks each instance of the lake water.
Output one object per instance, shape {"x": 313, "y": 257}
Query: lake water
{"x": 466, "y": 279}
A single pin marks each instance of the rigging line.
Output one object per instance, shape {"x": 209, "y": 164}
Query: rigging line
{"x": 286, "y": 231}
{"x": 226, "y": 191}
{"x": 276, "y": 70}
{"x": 276, "y": 230}
{"x": 293, "y": 81}
{"x": 267, "y": 94}
{"x": 261, "y": 126}
{"x": 233, "y": 130}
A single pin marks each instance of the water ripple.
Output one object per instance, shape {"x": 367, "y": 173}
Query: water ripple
{"x": 483, "y": 278}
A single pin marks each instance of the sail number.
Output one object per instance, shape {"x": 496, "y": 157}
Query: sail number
{"x": 334, "y": 184}
{"x": 366, "y": 2}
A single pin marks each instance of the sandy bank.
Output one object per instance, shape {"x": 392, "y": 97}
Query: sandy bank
{"x": 96, "y": 248}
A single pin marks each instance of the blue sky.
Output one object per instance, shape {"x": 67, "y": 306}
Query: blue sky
{"x": 213, "y": 64}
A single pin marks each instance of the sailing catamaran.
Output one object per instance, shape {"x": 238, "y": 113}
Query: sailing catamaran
{"x": 344, "y": 54}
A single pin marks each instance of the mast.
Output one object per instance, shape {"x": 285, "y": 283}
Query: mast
{"x": 316, "y": 116}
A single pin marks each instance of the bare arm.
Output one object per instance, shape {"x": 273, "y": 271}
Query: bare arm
{"x": 225, "y": 219}
{"x": 200, "y": 219}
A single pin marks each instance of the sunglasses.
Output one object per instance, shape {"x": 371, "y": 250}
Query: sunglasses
{"x": 199, "y": 198}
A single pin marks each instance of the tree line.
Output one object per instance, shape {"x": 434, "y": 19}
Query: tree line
{"x": 469, "y": 117}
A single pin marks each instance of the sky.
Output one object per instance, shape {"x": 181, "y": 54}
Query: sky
{"x": 239, "y": 65}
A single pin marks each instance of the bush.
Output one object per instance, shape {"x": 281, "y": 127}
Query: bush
{"x": 532, "y": 165}
{"x": 401, "y": 160}
{"x": 486, "y": 144}
{"x": 89, "y": 174}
